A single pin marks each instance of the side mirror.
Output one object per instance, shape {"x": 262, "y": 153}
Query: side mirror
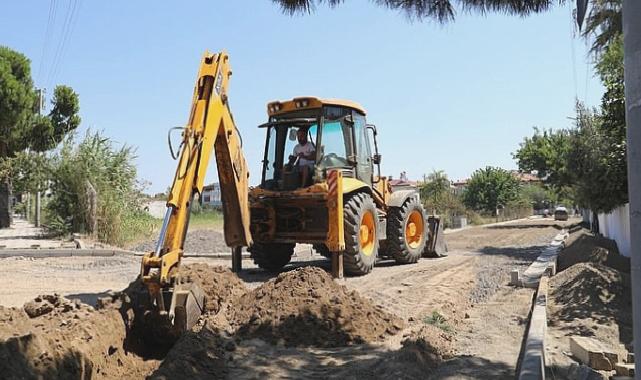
{"x": 377, "y": 159}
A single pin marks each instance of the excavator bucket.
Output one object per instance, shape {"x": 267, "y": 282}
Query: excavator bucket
{"x": 187, "y": 305}
{"x": 436, "y": 245}
{"x": 160, "y": 327}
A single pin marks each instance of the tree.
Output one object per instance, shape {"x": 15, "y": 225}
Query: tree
{"x": 488, "y": 188}
{"x": 598, "y": 160}
{"x": 546, "y": 153}
{"x": 538, "y": 196}
{"x": 441, "y": 10}
{"x": 436, "y": 186}
{"x": 491, "y": 188}
{"x": 599, "y": 150}
{"x": 604, "y": 24}
{"x": 591, "y": 157}
{"x": 21, "y": 125}
{"x": 438, "y": 198}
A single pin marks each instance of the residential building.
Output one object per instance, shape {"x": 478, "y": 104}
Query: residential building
{"x": 211, "y": 196}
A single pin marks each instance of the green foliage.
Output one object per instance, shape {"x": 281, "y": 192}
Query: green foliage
{"x": 546, "y": 153}
{"x": 490, "y": 188}
{"x": 438, "y": 320}
{"x": 48, "y": 131}
{"x": 436, "y": 186}
{"x": 587, "y": 163}
{"x": 137, "y": 226}
{"x": 598, "y": 158}
{"x": 21, "y": 127}
{"x": 17, "y": 101}
{"x": 93, "y": 163}
{"x": 205, "y": 218}
{"x": 604, "y": 24}
{"x": 438, "y": 198}
{"x": 538, "y": 196}
{"x": 439, "y": 10}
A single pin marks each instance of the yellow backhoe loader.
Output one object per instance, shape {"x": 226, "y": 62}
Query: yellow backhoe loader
{"x": 320, "y": 184}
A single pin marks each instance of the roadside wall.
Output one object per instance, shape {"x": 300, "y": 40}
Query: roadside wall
{"x": 616, "y": 226}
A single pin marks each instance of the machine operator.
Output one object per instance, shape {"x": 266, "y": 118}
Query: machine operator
{"x": 304, "y": 156}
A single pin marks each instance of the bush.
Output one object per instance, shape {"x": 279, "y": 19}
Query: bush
{"x": 94, "y": 189}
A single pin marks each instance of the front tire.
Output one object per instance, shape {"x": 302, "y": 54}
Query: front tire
{"x": 271, "y": 257}
{"x": 406, "y": 232}
{"x": 361, "y": 234}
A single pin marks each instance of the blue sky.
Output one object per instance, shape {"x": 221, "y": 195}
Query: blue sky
{"x": 454, "y": 97}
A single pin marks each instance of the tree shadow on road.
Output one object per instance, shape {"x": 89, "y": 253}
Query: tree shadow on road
{"x": 527, "y": 226}
{"x": 520, "y": 254}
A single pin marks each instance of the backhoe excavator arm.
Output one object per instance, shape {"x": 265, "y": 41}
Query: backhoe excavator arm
{"x": 210, "y": 128}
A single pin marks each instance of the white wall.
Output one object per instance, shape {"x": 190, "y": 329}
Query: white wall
{"x": 616, "y": 226}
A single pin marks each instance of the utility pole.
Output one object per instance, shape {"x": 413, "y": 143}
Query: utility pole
{"x": 632, "y": 65}
{"x": 41, "y": 104}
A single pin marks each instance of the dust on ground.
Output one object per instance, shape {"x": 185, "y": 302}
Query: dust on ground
{"x": 85, "y": 278}
{"x": 590, "y": 297}
{"x": 450, "y": 317}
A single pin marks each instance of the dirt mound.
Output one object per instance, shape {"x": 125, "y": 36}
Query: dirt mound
{"x": 583, "y": 246}
{"x": 52, "y": 337}
{"x": 197, "y": 355}
{"x": 222, "y": 288}
{"x": 305, "y": 307}
{"x": 594, "y": 300}
{"x": 427, "y": 347}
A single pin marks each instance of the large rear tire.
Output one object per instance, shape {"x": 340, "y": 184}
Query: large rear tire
{"x": 406, "y": 226}
{"x": 361, "y": 234}
{"x": 271, "y": 257}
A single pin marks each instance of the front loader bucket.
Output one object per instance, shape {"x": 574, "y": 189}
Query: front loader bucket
{"x": 436, "y": 245}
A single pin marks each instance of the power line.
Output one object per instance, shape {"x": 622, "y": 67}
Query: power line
{"x": 64, "y": 36}
{"x": 68, "y": 36}
{"x": 65, "y": 26}
{"x": 51, "y": 19}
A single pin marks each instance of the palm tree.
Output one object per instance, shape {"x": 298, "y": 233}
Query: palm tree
{"x": 604, "y": 23}
{"x": 441, "y": 10}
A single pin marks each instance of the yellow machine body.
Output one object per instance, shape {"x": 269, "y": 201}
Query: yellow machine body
{"x": 346, "y": 208}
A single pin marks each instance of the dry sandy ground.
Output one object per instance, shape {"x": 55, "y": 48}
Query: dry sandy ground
{"x": 484, "y": 318}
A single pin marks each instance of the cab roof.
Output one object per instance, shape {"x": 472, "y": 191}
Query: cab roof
{"x": 278, "y": 107}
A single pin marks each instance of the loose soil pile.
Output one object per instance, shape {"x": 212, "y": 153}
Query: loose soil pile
{"x": 584, "y": 246}
{"x": 594, "y": 300}
{"x": 222, "y": 288}
{"x": 306, "y": 307}
{"x": 52, "y": 337}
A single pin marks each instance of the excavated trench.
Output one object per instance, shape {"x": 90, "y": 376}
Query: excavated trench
{"x": 53, "y": 337}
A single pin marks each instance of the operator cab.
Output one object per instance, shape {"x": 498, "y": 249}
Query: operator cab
{"x": 307, "y": 136}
